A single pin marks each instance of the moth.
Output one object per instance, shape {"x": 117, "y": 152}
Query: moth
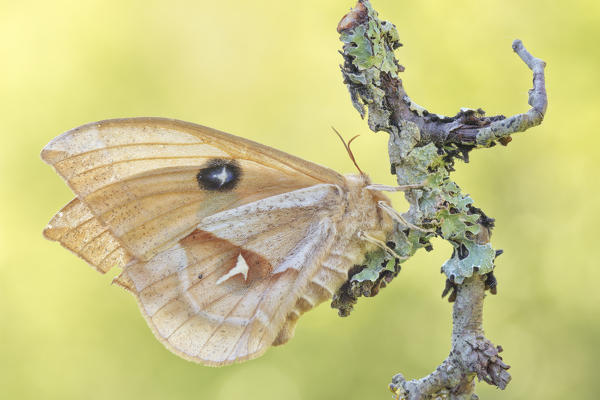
{"x": 224, "y": 242}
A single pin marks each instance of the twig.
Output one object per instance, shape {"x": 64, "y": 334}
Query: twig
{"x": 472, "y": 127}
{"x": 502, "y": 129}
{"x": 472, "y": 355}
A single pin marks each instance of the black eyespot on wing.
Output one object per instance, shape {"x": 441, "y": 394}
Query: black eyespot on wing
{"x": 219, "y": 174}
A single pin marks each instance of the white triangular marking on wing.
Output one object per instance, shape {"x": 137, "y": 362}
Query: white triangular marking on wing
{"x": 241, "y": 267}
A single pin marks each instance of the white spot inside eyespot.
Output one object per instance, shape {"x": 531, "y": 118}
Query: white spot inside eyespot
{"x": 241, "y": 267}
{"x": 223, "y": 176}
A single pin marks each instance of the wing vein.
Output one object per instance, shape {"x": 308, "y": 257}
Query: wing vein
{"x": 139, "y": 177}
{"x": 136, "y": 159}
{"x": 131, "y": 201}
{"x": 221, "y": 323}
{"x": 161, "y": 215}
{"x": 262, "y": 297}
{"x": 130, "y": 145}
{"x": 90, "y": 241}
{"x": 75, "y": 227}
{"x": 110, "y": 253}
{"x": 198, "y": 262}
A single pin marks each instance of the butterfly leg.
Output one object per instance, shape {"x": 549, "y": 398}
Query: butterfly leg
{"x": 381, "y": 244}
{"x": 396, "y": 216}
{"x": 402, "y": 188}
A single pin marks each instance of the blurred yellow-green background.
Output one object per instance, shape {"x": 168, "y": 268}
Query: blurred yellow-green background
{"x": 268, "y": 71}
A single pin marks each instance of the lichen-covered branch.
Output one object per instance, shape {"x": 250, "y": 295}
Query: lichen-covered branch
{"x": 371, "y": 73}
{"x": 501, "y": 129}
{"x": 423, "y": 148}
{"x": 472, "y": 354}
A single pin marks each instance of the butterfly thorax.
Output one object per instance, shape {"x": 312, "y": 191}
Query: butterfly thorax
{"x": 363, "y": 206}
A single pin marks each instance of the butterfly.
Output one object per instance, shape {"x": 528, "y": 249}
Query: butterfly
{"x": 224, "y": 242}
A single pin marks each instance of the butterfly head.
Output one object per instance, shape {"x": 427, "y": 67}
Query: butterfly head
{"x": 362, "y": 182}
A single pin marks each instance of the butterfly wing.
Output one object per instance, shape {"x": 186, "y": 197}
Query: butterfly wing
{"x": 77, "y": 229}
{"x": 223, "y": 293}
{"x": 215, "y": 269}
{"x": 139, "y": 178}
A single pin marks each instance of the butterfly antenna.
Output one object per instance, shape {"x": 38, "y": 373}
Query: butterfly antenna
{"x": 347, "y": 147}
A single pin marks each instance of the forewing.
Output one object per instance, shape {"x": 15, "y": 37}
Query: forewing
{"x": 77, "y": 229}
{"x": 138, "y": 178}
{"x": 222, "y": 293}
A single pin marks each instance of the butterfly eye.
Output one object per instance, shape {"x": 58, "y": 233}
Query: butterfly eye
{"x": 220, "y": 175}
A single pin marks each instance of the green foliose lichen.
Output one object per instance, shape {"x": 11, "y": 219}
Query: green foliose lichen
{"x": 368, "y": 51}
{"x": 358, "y": 46}
{"x": 375, "y": 262}
{"x": 480, "y": 259}
{"x": 443, "y": 205}
{"x": 405, "y": 244}
{"x": 371, "y": 45}
{"x": 456, "y": 225}
{"x": 416, "y": 166}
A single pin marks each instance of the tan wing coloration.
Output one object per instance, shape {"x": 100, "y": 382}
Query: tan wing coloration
{"x": 138, "y": 177}
{"x": 77, "y": 229}
{"x": 223, "y": 293}
{"x": 223, "y": 241}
